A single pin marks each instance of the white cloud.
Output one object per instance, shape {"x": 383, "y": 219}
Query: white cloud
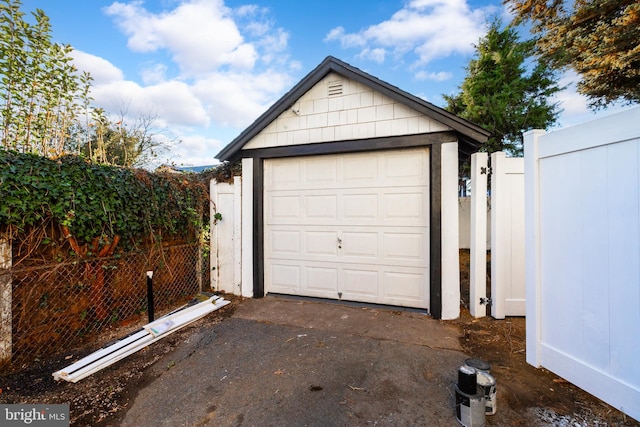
{"x": 430, "y": 29}
{"x": 440, "y": 76}
{"x": 237, "y": 99}
{"x": 193, "y": 150}
{"x": 376, "y": 55}
{"x": 176, "y": 100}
{"x": 173, "y": 102}
{"x": 219, "y": 78}
{"x": 133, "y": 19}
{"x": 274, "y": 45}
{"x": 248, "y": 10}
{"x": 154, "y": 73}
{"x": 575, "y": 106}
{"x": 100, "y": 69}
{"x": 335, "y": 34}
{"x": 201, "y": 35}
{"x": 346, "y": 40}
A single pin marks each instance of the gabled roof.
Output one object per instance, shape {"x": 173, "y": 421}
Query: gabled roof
{"x": 470, "y": 135}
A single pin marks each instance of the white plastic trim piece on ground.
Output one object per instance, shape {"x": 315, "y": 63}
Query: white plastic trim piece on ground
{"x": 150, "y": 333}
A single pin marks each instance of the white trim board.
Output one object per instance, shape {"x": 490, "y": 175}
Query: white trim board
{"x": 107, "y": 356}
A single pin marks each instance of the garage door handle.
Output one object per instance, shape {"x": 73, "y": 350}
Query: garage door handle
{"x": 339, "y": 243}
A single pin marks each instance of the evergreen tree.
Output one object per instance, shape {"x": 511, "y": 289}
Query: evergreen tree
{"x": 506, "y": 90}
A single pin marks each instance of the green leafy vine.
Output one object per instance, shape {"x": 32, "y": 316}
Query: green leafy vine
{"x": 92, "y": 201}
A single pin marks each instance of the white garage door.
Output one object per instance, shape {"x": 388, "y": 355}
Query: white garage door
{"x": 349, "y": 226}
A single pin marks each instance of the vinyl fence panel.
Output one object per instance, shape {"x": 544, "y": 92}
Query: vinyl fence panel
{"x": 583, "y": 256}
{"x": 507, "y": 236}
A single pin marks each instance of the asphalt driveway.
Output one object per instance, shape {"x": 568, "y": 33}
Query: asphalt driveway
{"x": 287, "y": 362}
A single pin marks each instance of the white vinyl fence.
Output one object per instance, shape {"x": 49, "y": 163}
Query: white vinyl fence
{"x": 478, "y": 239}
{"x": 464, "y": 223}
{"x": 507, "y": 236}
{"x": 583, "y": 256}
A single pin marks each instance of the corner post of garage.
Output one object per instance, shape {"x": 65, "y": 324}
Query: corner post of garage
{"x": 258, "y": 227}
{"x": 435, "y": 290}
{"x": 247, "y": 233}
{"x": 444, "y": 292}
{"x": 450, "y": 255}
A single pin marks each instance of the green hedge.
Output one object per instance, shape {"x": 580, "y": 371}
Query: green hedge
{"x": 97, "y": 200}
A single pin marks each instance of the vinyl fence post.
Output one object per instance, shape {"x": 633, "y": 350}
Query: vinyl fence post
{"x": 150, "y": 295}
{"x": 532, "y": 239}
{"x": 499, "y": 235}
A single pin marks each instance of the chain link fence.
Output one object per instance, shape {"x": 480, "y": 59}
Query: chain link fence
{"x": 50, "y": 308}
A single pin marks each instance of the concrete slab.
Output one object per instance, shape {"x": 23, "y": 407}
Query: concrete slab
{"x": 394, "y": 324}
{"x": 279, "y": 362}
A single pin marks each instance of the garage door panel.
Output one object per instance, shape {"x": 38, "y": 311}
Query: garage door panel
{"x": 285, "y": 242}
{"x": 360, "y": 207}
{"x": 410, "y": 247}
{"x": 322, "y": 280}
{"x": 404, "y": 286}
{"x": 350, "y": 226}
{"x": 360, "y": 170}
{"x": 303, "y": 278}
{"x": 321, "y": 207}
{"x": 321, "y": 243}
{"x": 407, "y": 207}
{"x": 298, "y": 243}
{"x": 363, "y": 244}
{"x": 284, "y": 175}
{"x": 405, "y": 168}
{"x": 283, "y": 207}
{"x": 400, "y": 207}
{"x": 361, "y": 284}
{"x": 285, "y": 278}
{"x": 320, "y": 172}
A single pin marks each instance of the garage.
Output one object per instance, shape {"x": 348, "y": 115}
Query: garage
{"x": 349, "y": 192}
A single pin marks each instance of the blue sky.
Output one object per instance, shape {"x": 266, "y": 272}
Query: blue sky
{"x": 206, "y": 69}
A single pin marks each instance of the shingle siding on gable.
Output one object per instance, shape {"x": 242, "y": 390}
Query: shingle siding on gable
{"x": 357, "y": 113}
